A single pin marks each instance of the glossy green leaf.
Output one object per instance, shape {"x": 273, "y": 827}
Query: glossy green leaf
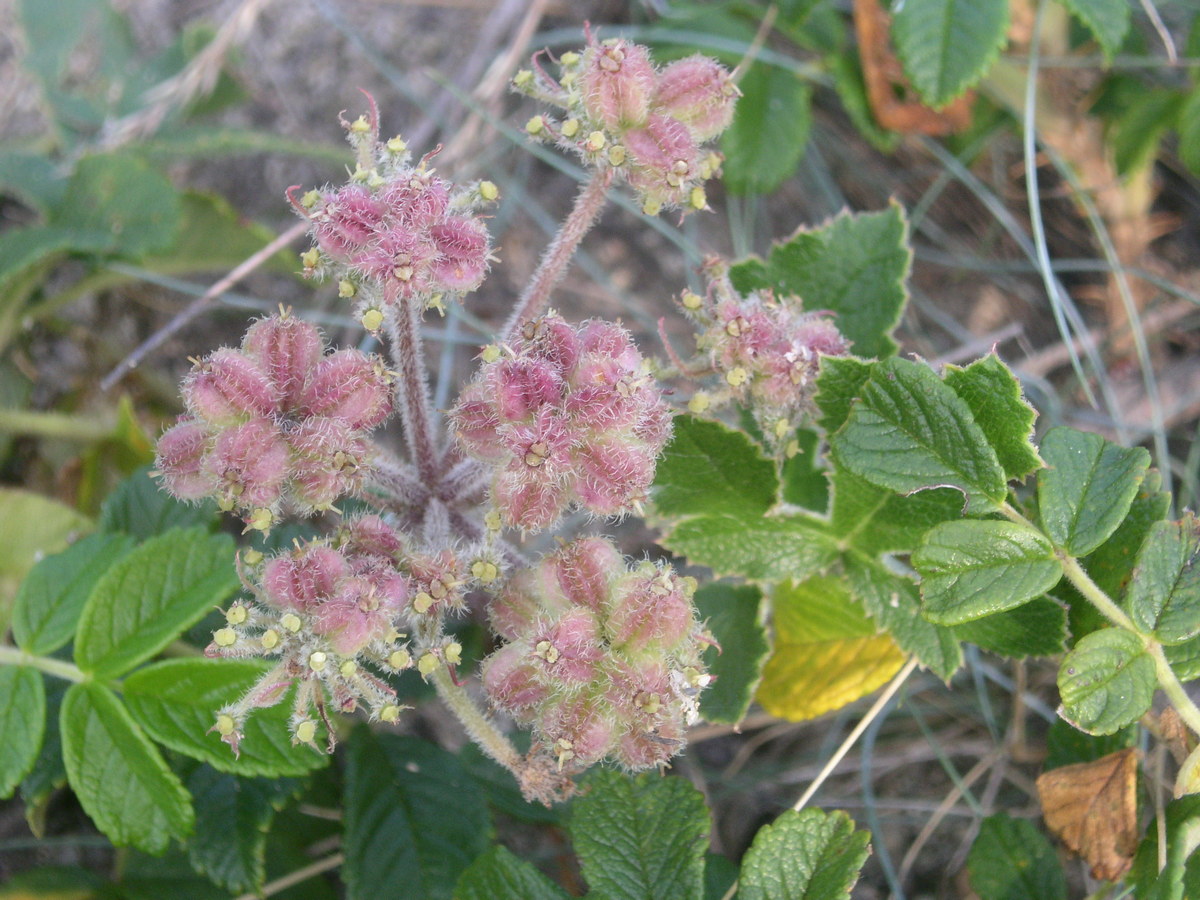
{"x": 413, "y": 817}
{"x": 771, "y": 549}
{"x": 119, "y": 777}
{"x": 22, "y": 722}
{"x": 1036, "y": 628}
{"x": 498, "y": 873}
{"x": 1106, "y": 682}
{"x": 640, "y": 837}
{"x": 145, "y": 600}
{"x": 854, "y": 266}
{"x": 947, "y": 45}
{"x": 765, "y": 142}
{"x": 1107, "y": 20}
{"x": 1087, "y": 487}
{"x": 711, "y": 469}
{"x": 971, "y": 568}
{"x": 894, "y": 603}
{"x": 233, "y": 816}
{"x": 877, "y": 520}
{"x": 994, "y": 395}
{"x": 1179, "y": 879}
{"x": 910, "y": 432}
{"x": 733, "y": 615}
{"x": 140, "y": 507}
{"x": 1185, "y": 659}
{"x": 1012, "y": 860}
{"x": 804, "y": 476}
{"x": 1111, "y": 564}
{"x": 1067, "y": 745}
{"x": 1164, "y": 595}
{"x": 48, "y": 773}
{"x": 51, "y": 597}
{"x": 176, "y": 701}
{"x": 806, "y": 855}
{"x": 840, "y": 382}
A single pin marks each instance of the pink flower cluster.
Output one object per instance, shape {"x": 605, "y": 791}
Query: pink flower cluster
{"x": 278, "y": 423}
{"x": 601, "y": 659}
{"x": 568, "y": 415}
{"x": 648, "y": 125}
{"x": 766, "y": 349}
{"x": 397, "y": 233}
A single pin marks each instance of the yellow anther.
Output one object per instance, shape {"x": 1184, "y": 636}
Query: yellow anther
{"x": 310, "y": 198}
{"x": 569, "y": 58}
{"x": 422, "y": 602}
{"x": 346, "y": 289}
{"x": 261, "y": 519}
{"x": 360, "y": 126}
{"x": 536, "y": 125}
{"x": 252, "y": 557}
{"x": 427, "y": 665}
{"x": 236, "y": 614}
{"x": 537, "y": 454}
{"x": 269, "y": 639}
{"x": 491, "y": 520}
{"x": 792, "y": 448}
{"x": 225, "y": 725}
{"x": 546, "y": 651}
{"x": 616, "y": 155}
{"x": 311, "y": 258}
{"x": 399, "y": 659}
{"x": 348, "y": 668}
{"x": 224, "y": 637}
{"x": 570, "y": 128}
{"x": 699, "y": 403}
{"x": 523, "y": 78}
{"x": 488, "y": 191}
{"x": 595, "y": 142}
{"x": 390, "y": 714}
{"x": 485, "y": 571}
{"x": 490, "y": 353}
{"x": 697, "y": 199}
{"x": 305, "y": 731}
{"x": 652, "y": 206}
{"x": 291, "y": 622}
{"x": 691, "y": 300}
{"x": 737, "y": 376}
{"x": 372, "y": 319}
{"x": 396, "y": 145}
{"x": 781, "y": 427}
{"x": 317, "y": 660}
{"x": 453, "y": 653}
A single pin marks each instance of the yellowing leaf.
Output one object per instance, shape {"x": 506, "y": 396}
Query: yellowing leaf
{"x": 826, "y": 652}
{"x": 31, "y": 526}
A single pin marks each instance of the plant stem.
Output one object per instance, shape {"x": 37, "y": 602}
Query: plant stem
{"x": 1090, "y": 590}
{"x": 480, "y": 728}
{"x": 412, "y": 392}
{"x": 12, "y": 656}
{"x": 54, "y": 425}
{"x": 1169, "y": 682}
{"x": 588, "y": 203}
{"x": 279, "y": 885}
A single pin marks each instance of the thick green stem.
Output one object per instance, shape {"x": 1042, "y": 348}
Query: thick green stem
{"x": 1171, "y": 686}
{"x": 480, "y": 728}
{"x": 1090, "y": 590}
{"x": 54, "y": 425}
{"x": 12, "y": 656}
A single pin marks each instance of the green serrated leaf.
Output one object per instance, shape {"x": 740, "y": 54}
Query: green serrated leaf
{"x": 1067, "y": 745}
{"x": 121, "y": 195}
{"x": 140, "y": 507}
{"x": 502, "y": 790}
{"x": 720, "y": 874}
{"x": 641, "y": 837}
{"x": 947, "y": 45}
{"x": 30, "y": 527}
{"x": 764, "y": 549}
{"x": 498, "y": 873}
{"x": 176, "y": 702}
{"x": 994, "y": 395}
{"x": 1107, "y": 20}
{"x": 894, "y": 603}
{"x": 877, "y": 520}
{"x": 1135, "y": 134}
{"x": 48, "y": 773}
{"x": 233, "y": 816}
{"x": 1037, "y": 628}
{"x": 1012, "y": 860}
{"x": 119, "y": 777}
{"x": 413, "y": 816}
{"x": 1111, "y": 564}
{"x": 711, "y": 469}
{"x": 1185, "y": 659}
{"x": 766, "y": 140}
{"x": 970, "y": 569}
{"x": 910, "y": 432}
{"x": 1179, "y": 878}
{"x": 1189, "y": 131}
{"x": 52, "y": 595}
{"x": 1087, "y": 487}
{"x": 22, "y": 722}
{"x": 854, "y": 266}
{"x": 1106, "y": 682}
{"x": 144, "y": 601}
{"x": 732, "y": 614}
{"x": 839, "y": 383}
{"x": 1164, "y": 595}
{"x": 33, "y": 178}
{"x": 805, "y": 479}
{"x": 826, "y": 651}
{"x": 806, "y": 855}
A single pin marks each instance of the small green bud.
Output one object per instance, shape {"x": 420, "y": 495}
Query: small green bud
{"x": 691, "y": 300}
{"x": 522, "y": 79}
{"x": 252, "y": 557}
{"x": 488, "y": 191}
{"x": 309, "y": 200}
{"x": 390, "y": 714}
{"x": 535, "y": 126}
{"x": 453, "y": 653}
{"x": 306, "y": 731}
{"x": 396, "y": 145}
{"x": 225, "y": 725}
{"x": 360, "y": 126}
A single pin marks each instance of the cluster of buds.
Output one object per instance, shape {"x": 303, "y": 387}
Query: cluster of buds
{"x": 397, "y": 233}
{"x": 332, "y": 614}
{"x": 567, "y": 415}
{"x": 621, "y": 113}
{"x": 278, "y": 424}
{"x": 601, "y": 659}
{"x": 766, "y": 350}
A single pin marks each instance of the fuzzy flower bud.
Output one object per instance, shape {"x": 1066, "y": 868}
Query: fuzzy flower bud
{"x": 699, "y": 93}
{"x": 568, "y": 418}
{"x": 601, "y": 660}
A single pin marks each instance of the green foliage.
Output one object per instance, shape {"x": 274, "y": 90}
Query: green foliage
{"x": 993, "y": 394}
{"x": 1180, "y": 877}
{"x": 141, "y": 603}
{"x": 397, "y": 827}
{"x": 807, "y": 855}
{"x": 947, "y": 45}
{"x": 1164, "y": 594}
{"x": 1106, "y": 682}
{"x": 733, "y": 615}
{"x": 141, "y": 508}
{"x": 854, "y": 266}
{"x": 1012, "y": 860}
{"x": 770, "y": 128}
{"x": 22, "y": 721}
{"x": 712, "y": 469}
{"x": 1036, "y": 628}
{"x": 771, "y": 549}
{"x": 1108, "y": 20}
{"x": 498, "y": 873}
{"x": 118, "y": 775}
{"x": 641, "y": 837}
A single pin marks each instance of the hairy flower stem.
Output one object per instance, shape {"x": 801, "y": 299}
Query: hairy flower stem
{"x": 12, "y": 656}
{"x": 479, "y": 727}
{"x": 412, "y": 391}
{"x": 557, "y": 257}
